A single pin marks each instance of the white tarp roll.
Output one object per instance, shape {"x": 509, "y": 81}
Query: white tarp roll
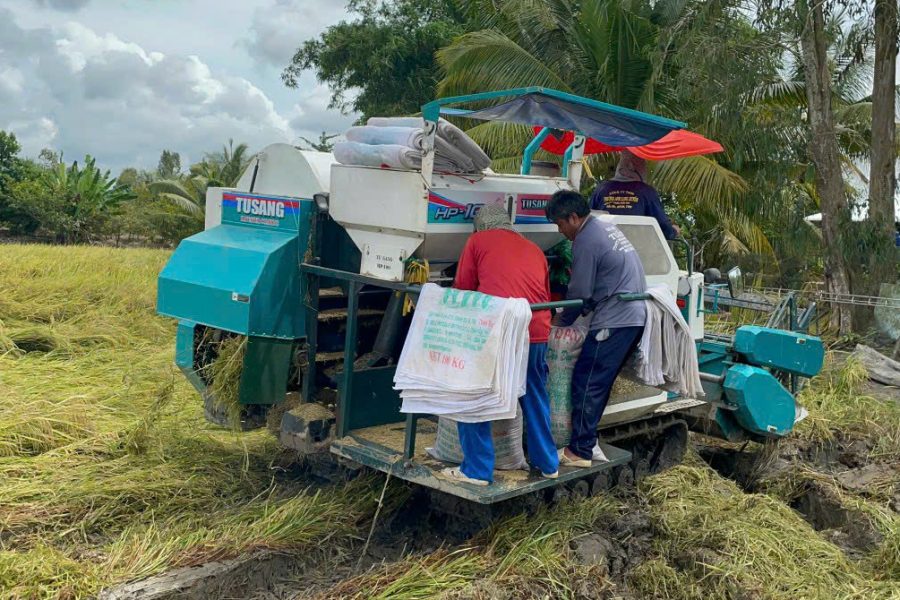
{"x": 446, "y": 130}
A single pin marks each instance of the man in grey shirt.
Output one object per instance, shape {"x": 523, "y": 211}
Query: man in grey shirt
{"x": 604, "y": 265}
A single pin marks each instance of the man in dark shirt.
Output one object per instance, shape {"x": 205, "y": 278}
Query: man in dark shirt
{"x": 604, "y": 265}
{"x": 627, "y": 193}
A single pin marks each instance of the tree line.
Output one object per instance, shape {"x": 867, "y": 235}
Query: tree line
{"x": 78, "y": 202}
{"x": 801, "y": 93}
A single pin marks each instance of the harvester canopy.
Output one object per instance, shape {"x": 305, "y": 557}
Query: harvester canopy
{"x": 585, "y": 118}
{"x": 613, "y": 125}
{"x": 675, "y": 144}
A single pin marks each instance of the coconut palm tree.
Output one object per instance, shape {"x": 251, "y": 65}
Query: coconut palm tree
{"x": 625, "y": 52}
{"x": 218, "y": 169}
{"x": 696, "y": 61}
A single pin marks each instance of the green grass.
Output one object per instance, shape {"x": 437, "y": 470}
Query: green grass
{"x": 521, "y": 557}
{"x": 108, "y": 471}
{"x": 840, "y": 409}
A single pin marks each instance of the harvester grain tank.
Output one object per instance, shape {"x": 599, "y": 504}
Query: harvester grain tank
{"x": 308, "y": 259}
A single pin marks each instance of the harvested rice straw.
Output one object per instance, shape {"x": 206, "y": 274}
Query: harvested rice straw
{"x": 225, "y": 378}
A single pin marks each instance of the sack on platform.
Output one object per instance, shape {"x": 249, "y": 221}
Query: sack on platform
{"x": 507, "y": 434}
{"x": 563, "y": 350}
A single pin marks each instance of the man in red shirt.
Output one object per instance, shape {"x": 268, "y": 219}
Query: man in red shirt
{"x": 498, "y": 261}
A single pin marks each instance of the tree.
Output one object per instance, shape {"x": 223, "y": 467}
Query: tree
{"x": 324, "y": 143}
{"x": 169, "y": 164}
{"x": 217, "y": 169}
{"x": 128, "y": 176}
{"x": 187, "y": 193}
{"x": 824, "y": 149}
{"x": 653, "y": 56}
{"x": 882, "y": 179}
{"x": 49, "y": 157}
{"x": 72, "y": 202}
{"x": 386, "y": 54}
{"x": 9, "y": 150}
{"x": 13, "y": 170}
{"x": 225, "y": 167}
{"x": 832, "y": 54}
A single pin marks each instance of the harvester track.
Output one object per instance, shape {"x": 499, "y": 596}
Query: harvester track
{"x": 657, "y": 444}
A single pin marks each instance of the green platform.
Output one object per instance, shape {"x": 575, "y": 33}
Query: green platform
{"x": 381, "y": 448}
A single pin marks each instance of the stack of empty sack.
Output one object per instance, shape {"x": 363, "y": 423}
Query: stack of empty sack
{"x": 397, "y": 143}
{"x": 465, "y": 359}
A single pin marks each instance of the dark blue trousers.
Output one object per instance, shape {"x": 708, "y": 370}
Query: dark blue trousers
{"x": 592, "y": 380}
{"x": 476, "y": 439}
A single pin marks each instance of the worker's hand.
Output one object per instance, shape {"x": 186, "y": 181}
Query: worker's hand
{"x": 677, "y": 230}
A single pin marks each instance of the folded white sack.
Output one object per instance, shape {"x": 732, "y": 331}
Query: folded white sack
{"x": 667, "y": 353}
{"x": 465, "y": 356}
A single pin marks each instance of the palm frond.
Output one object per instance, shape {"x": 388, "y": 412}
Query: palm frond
{"x": 701, "y": 181}
{"x": 501, "y": 139}
{"x": 781, "y": 93}
{"x": 181, "y": 202}
{"x": 489, "y": 60}
{"x": 171, "y": 186}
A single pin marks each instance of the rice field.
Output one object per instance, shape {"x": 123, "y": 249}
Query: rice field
{"x": 108, "y": 470}
{"x": 109, "y": 473}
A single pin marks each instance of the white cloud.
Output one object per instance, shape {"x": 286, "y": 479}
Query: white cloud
{"x": 37, "y": 133}
{"x": 64, "y": 5}
{"x": 88, "y": 93}
{"x": 278, "y": 29}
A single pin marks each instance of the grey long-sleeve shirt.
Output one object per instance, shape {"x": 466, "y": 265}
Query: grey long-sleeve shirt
{"x": 604, "y": 265}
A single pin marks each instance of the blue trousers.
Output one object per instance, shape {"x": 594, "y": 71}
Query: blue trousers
{"x": 592, "y": 380}
{"x": 478, "y": 443}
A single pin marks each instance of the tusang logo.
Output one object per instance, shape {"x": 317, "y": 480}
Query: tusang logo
{"x": 262, "y": 208}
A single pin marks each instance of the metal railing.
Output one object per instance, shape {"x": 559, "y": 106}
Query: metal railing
{"x": 356, "y": 283}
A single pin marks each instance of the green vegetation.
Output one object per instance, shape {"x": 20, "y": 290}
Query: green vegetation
{"x": 841, "y": 409}
{"x": 108, "y": 470}
{"x": 49, "y": 200}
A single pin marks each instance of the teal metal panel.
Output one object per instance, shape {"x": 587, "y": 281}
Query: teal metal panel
{"x": 184, "y": 354}
{"x": 713, "y": 358}
{"x": 265, "y": 372}
{"x": 763, "y": 405}
{"x": 240, "y": 279}
{"x": 789, "y": 351}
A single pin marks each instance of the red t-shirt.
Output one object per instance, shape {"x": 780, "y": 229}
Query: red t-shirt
{"x": 502, "y": 263}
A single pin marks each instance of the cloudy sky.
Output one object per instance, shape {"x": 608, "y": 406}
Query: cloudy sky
{"x": 124, "y": 79}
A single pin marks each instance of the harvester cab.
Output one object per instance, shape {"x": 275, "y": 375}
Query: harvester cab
{"x": 302, "y": 274}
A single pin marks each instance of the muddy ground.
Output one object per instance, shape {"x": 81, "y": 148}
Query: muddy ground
{"x": 825, "y": 483}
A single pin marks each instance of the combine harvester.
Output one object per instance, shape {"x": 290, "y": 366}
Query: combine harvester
{"x": 308, "y": 258}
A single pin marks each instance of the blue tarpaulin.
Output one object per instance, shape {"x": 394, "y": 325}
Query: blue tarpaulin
{"x": 609, "y": 124}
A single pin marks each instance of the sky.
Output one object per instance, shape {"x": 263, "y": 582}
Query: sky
{"x": 122, "y": 80}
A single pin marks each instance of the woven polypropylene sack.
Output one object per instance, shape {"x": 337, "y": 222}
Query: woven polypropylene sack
{"x": 563, "y": 349}
{"x": 507, "y": 435}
